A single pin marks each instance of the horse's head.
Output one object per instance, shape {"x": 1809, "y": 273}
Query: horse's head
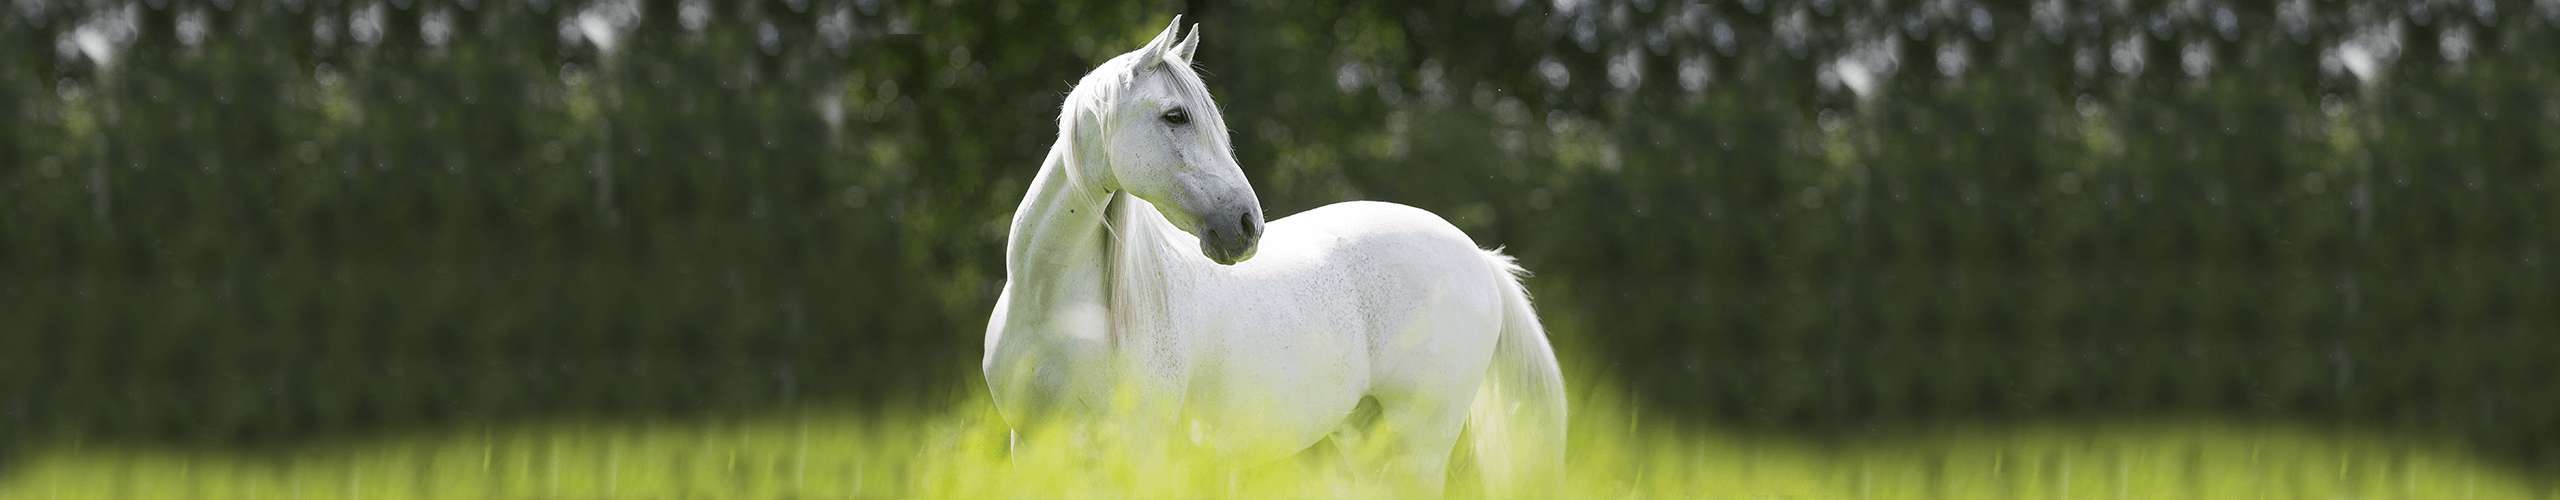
{"x": 1162, "y": 140}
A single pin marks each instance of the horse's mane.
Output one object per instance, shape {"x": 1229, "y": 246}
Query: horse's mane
{"x": 1136, "y": 274}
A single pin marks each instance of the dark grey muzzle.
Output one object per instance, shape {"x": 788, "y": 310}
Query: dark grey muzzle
{"x": 1229, "y": 240}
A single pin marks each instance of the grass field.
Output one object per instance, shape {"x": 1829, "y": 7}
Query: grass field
{"x": 1618, "y": 453}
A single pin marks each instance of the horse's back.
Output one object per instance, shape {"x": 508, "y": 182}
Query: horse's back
{"x": 1430, "y": 296}
{"x": 1362, "y": 236}
{"x": 1371, "y": 219}
{"x": 1379, "y": 241}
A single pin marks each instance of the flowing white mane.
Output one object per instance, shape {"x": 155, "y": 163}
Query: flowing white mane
{"x": 1142, "y": 244}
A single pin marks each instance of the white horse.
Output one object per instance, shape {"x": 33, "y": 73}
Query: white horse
{"x": 1379, "y": 326}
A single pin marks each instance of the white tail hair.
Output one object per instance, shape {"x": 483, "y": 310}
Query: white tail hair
{"x": 1516, "y": 428}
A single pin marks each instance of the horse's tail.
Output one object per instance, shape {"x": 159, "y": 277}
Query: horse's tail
{"x": 1516, "y": 428}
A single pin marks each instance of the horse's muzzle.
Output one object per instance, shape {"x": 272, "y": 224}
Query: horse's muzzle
{"x": 1232, "y": 240}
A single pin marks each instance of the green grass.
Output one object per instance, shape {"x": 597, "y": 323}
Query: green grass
{"x": 1618, "y": 453}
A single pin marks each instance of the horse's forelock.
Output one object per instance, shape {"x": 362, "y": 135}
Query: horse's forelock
{"x": 1187, "y": 81}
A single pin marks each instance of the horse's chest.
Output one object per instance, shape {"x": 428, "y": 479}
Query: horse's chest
{"x": 1049, "y": 363}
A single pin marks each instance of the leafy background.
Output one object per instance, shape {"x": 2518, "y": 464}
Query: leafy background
{"x": 265, "y": 224}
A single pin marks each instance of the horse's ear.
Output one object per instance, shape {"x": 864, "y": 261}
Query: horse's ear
{"x": 1162, "y": 45}
{"x": 1190, "y": 45}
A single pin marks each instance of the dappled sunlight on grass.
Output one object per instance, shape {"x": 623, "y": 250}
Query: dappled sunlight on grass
{"x": 959, "y": 453}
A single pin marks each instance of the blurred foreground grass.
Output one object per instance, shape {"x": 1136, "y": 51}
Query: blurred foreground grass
{"x": 958, "y": 453}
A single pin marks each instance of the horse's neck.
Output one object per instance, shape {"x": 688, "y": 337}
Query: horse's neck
{"x": 1056, "y": 256}
{"x": 1087, "y": 289}
{"x": 1075, "y": 246}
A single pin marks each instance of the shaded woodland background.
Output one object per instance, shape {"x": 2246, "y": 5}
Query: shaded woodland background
{"x": 251, "y": 223}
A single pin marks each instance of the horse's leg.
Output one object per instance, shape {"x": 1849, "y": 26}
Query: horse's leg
{"x": 1407, "y": 445}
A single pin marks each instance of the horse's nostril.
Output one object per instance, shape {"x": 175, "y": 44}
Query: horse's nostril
{"x": 1245, "y": 221}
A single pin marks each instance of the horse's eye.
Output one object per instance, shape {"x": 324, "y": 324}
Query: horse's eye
{"x": 1177, "y": 117}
